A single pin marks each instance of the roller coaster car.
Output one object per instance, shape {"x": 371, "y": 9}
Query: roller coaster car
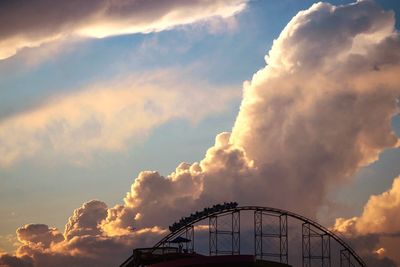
{"x": 172, "y": 257}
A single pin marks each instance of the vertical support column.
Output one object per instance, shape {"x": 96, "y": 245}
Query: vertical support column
{"x": 306, "y": 244}
{"x": 233, "y": 232}
{"x": 275, "y": 232}
{"x": 212, "y": 226}
{"x": 236, "y": 233}
{"x": 326, "y": 250}
{"x": 283, "y": 239}
{"x": 189, "y": 234}
{"x": 345, "y": 258}
{"x": 258, "y": 233}
{"x": 324, "y": 255}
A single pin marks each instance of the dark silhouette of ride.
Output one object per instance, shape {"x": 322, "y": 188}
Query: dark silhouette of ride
{"x": 319, "y": 245}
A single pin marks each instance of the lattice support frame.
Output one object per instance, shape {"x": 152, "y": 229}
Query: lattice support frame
{"x": 189, "y": 234}
{"x": 309, "y": 256}
{"x": 234, "y": 234}
{"x": 260, "y": 234}
{"x": 345, "y": 258}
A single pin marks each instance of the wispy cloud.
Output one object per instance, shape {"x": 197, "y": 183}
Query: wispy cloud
{"x": 30, "y": 24}
{"x": 317, "y": 112}
{"x": 109, "y": 116}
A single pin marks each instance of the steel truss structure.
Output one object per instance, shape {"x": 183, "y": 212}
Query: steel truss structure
{"x": 261, "y": 233}
{"x": 322, "y": 254}
{"x": 316, "y": 239}
{"x": 233, "y": 234}
{"x": 345, "y": 258}
{"x": 189, "y": 234}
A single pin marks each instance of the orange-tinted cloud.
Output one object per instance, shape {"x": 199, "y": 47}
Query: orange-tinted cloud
{"x": 318, "y": 111}
{"x": 39, "y": 234}
{"x": 30, "y": 24}
{"x": 380, "y": 215}
{"x": 322, "y": 107}
{"x": 380, "y": 218}
{"x": 108, "y": 116}
{"x": 80, "y": 245}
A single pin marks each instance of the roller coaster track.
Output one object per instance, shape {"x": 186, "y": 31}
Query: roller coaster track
{"x": 271, "y": 211}
{"x": 222, "y": 210}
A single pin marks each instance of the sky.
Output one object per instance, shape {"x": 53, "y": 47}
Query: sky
{"x": 111, "y": 113}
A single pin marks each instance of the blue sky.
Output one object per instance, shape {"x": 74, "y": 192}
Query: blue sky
{"x": 48, "y": 186}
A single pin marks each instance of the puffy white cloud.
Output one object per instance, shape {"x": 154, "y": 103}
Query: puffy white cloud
{"x": 81, "y": 244}
{"x": 30, "y": 24}
{"x": 318, "y": 111}
{"x": 108, "y": 116}
{"x": 86, "y": 219}
{"x": 322, "y": 106}
{"x": 154, "y": 198}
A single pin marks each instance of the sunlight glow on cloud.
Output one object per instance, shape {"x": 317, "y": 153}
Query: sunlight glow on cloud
{"x": 380, "y": 215}
{"x": 317, "y": 112}
{"x": 380, "y": 218}
{"x": 108, "y": 116}
{"x": 30, "y": 24}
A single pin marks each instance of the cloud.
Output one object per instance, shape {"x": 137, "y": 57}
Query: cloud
{"x": 367, "y": 247}
{"x": 39, "y": 234}
{"x": 80, "y": 245}
{"x": 8, "y": 260}
{"x": 157, "y": 198}
{"x": 85, "y": 219}
{"x": 380, "y": 218}
{"x": 108, "y": 116}
{"x": 322, "y": 106}
{"x": 30, "y": 24}
{"x": 380, "y": 214}
{"x": 8, "y": 243}
{"x": 318, "y": 111}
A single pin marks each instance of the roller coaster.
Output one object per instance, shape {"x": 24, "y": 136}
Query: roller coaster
{"x": 270, "y": 226}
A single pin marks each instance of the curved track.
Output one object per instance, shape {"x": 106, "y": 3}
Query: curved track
{"x": 269, "y": 210}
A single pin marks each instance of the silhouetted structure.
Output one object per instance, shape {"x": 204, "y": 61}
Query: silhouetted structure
{"x": 165, "y": 253}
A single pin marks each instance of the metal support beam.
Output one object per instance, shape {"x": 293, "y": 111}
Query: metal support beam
{"x": 260, "y": 234}
{"x": 270, "y": 235}
{"x": 236, "y": 233}
{"x": 326, "y": 250}
{"x": 309, "y": 254}
{"x": 213, "y": 241}
{"x": 306, "y": 244}
{"x": 283, "y": 239}
{"x": 233, "y": 233}
{"x": 345, "y": 258}
{"x": 189, "y": 234}
{"x": 258, "y": 246}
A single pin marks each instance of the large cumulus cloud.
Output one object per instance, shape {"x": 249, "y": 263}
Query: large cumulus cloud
{"x": 318, "y": 111}
{"x": 322, "y": 106}
{"x": 32, "y": 23}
